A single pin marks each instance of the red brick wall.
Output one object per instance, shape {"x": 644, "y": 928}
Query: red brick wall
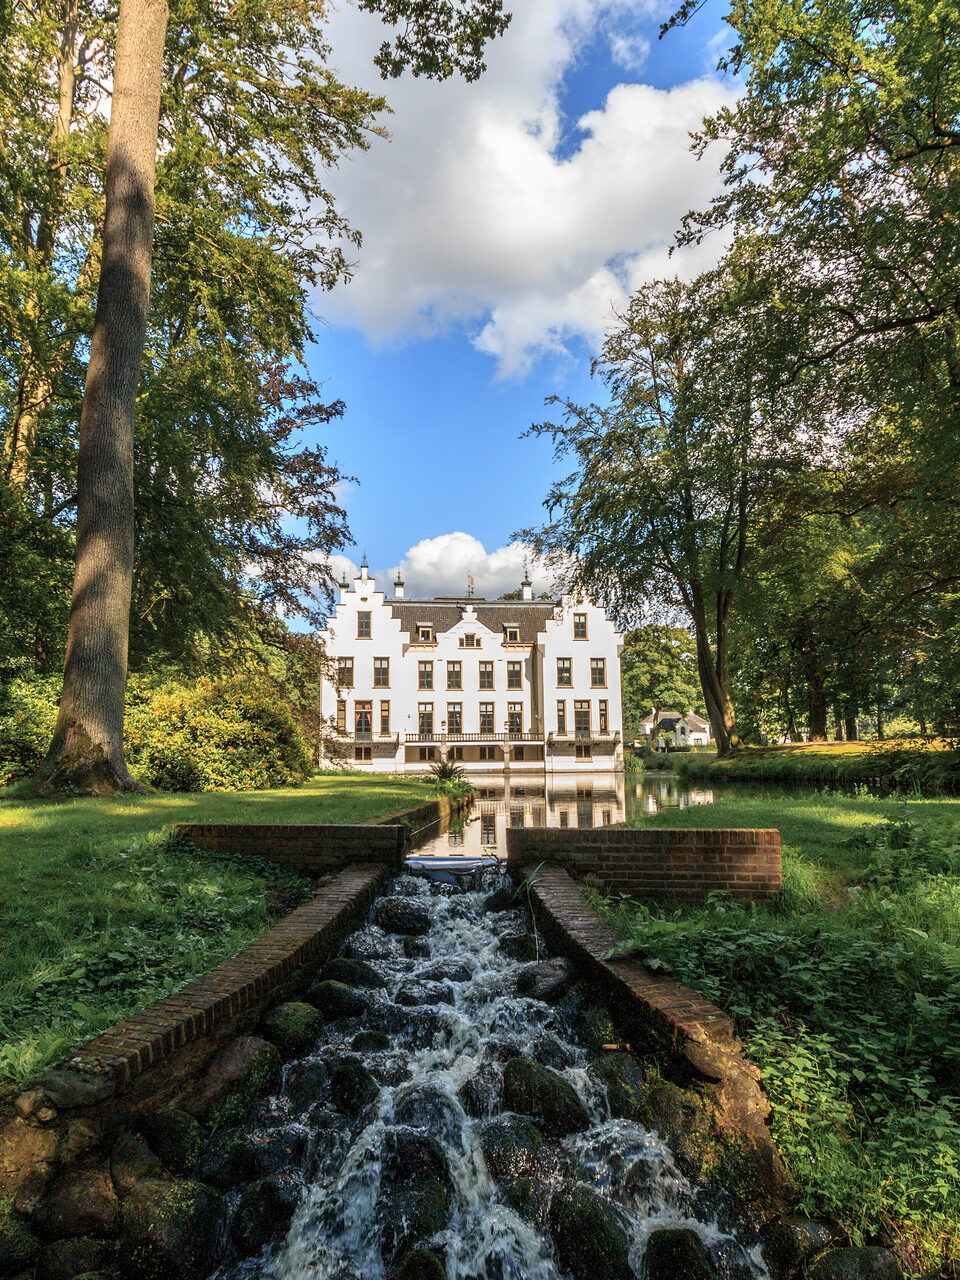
{"x": 657, "y": 862}
{"x": 311, "y": 849}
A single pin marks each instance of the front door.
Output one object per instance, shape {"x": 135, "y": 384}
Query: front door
{"x": 581, "y": 719}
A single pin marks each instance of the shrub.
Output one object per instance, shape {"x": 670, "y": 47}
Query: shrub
{"x": 199, "y": 736}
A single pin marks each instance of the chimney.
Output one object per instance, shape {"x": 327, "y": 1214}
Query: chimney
{"x": 363, "y": 569}
{"x": 526, "y": 583}
{"x": 398, "y": 587}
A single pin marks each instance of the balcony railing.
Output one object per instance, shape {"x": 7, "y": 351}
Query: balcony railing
{"x": 585, "y": 735}
{"x": 458, "y": 738}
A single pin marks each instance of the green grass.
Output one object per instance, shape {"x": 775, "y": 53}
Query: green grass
{"x": 926, "y": 765}
{"x": 101, "y": 913}
{"x": 847, "y": 991}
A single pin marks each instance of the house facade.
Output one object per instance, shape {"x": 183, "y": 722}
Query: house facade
{"x": 526, "y": 685}
{"x": 674, "y": 729}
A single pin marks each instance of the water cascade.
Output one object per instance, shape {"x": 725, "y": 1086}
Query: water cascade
{"x": 454, "y": 1119}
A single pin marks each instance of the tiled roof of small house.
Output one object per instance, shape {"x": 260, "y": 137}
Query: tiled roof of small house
{"x": 695, "y": 721}
{"x": 530, "y": 616}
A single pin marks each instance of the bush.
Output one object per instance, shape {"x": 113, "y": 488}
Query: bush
{"x": 200, "y": 736}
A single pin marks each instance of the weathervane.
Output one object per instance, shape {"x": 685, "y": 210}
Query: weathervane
{"x": 469, "y": 584}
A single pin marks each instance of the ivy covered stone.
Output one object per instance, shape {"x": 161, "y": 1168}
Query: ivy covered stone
{"x": 677, "y": 1254}
{"x": 243, "y": 1071}
{"x": 538, "y": 1091}
{"x": 421, "y": 1264}
{"x": 19, "y": 1247}
{"x": 171, "y": 1231}
{"x": 589, "y": 1237}
{"x": 263, "y": 1211}
{"x": 175, "y": 1137}
{"x": 293, "y": 1027}
{"x": 352, "y": 973}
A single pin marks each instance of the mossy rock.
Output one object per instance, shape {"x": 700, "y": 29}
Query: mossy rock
{"x": 175, "y": 1137}
{"x": 414, "y": 1191}
{"x": 626, "y": 1083}
{"x": 589, "y": 1237}
{"x": 682, "y": 1120}
{"x": 263, "y": 1211}
{"x": 421, "y": 1264}
{"x": 538, "y": 1091}
{"x": 171, "y": 1231}
{"x": 352, "y": 1087}
{"x": 352, "y": 973}
{"x": 19, "y": 1248}
{"x": 676, "y": 1254}
{"x": 510, "y": 1145}
{"x": 869, "y": 1263}
{"x": 228, "y": 1159}
{"x": 292, "y": 1027}
{"x": 83, "y": 1255}
{"x": 242, "y": 1072}
{"x": 337, "y": 1000}
{"x": 370, "y": 1042}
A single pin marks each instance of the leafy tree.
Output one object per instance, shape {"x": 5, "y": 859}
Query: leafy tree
{"x": 674, "y": 475}
{"x": 658, "y": 670}
{"x": 250, "y": 116}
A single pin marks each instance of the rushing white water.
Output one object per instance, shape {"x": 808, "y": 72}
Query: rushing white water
{"x": 452, "y": 1015}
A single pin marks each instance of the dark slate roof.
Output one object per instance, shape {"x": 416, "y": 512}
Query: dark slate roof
{"x": 529, "y": 615}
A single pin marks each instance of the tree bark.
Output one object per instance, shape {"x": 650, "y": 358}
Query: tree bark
{"x": 851, "y": 729}
{"x": 716, "y": 694}
{"x": 86, "y": 754}
{"x": 837, "y": 724}
{"x": 880, "y": 730}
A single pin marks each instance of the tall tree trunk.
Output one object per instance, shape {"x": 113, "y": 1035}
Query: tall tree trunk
{"x": 851, "y": 729}
{"x": 86, "y": 753}
{"x": 816, "y": 691}
{"x": 880, "y": 730}
{"x": 791, "y": 727}
{"x": 716, "y": 694}
{"x": 837, "y": 724}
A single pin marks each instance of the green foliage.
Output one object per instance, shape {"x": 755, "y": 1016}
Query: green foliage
{"x": 632, "y": 763}
{"x": 206, "y": 735}
{"x": 863, "y": 1086}
{"x": 447, "y": 771}
{"x": 658, "y": 668}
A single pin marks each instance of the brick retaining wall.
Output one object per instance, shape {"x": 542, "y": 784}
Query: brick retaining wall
{"x": 657, "y": 862}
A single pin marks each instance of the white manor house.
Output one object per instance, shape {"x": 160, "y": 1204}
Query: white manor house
{"x": 520, "y": 685}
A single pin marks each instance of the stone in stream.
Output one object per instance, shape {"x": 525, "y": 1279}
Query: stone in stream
{"x": 352, "y": 1087}
{"x": 626, "y": 1083}
{"x": 416, "y": 948}
{"x": 427, "y": 1107}
{"x": 678, "y": 1117}
{"x": 510, "y": 1146}
{"x": 537, "y": 1091}
{"x": 787, "y": 1243}
{"x": 415, "y": 993}
{"x": 131, "y": 1160}
{"x": 414, "y": 1190}
{"x": 401, "y": 916}
{"x": 676, "y": 1254}
{"x": 337, "y": 1000}
{"x": 522, "y": 946}
{"x": 279, "y": 1150}
{"x": 589, "y": 1237}
{"x": 242, "y": 1072}
{"x": 421, "y": 1264}
{"x": 352, "y": 973}
{"x": 480, "y": 1094}
{"x": 263, "y": 1211}
{"x": 171, "y": 1231}
{"x": 447, "y": 970}
{"x": 370, "y": 1042}
{"x": 306, "y": 1084}
{"x": 546, "y": 981}
{"x": 503, "y": 899}
{"x": 855, "y": 1264}
{"x": 730, "y": 1261}
{"x": 292, "y": 1027}
{"x": 228, "y": 1159}
{"x": 370, "y": 946}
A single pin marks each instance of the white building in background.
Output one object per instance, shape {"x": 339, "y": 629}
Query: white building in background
{"x": 676, "y": 730}
{"x": 527, "y": 685}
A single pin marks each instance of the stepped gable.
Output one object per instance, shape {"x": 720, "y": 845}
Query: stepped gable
{"x": 529, "y": 615}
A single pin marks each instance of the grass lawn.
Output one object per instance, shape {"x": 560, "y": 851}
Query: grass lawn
{"x": 101, "y": 913}
{"x": 928, "y": 765}
{"x": 847, "y": 991}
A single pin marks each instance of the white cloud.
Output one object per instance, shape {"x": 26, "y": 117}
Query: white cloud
{"x": 629, "y": 51}
{"x": 440, "y": 567}
{"x": 471, "y": 214}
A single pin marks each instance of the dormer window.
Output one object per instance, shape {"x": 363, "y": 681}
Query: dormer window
{"x": 512, "y": 635}
{"x": 425, "y": 633}
{"x": 469, "y": 641}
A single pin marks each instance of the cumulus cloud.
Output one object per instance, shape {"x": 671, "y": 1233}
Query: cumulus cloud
{"x": 476, "y": 213}
{"x": 442, "y": 566}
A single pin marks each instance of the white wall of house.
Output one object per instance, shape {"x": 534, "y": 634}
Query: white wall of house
{"x": 421, "y": 682}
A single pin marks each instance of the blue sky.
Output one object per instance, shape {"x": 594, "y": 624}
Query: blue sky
{"x": 503, "y": 222}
